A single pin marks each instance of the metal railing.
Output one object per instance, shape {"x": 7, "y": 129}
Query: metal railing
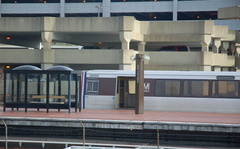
{"x": 89, "y": 145}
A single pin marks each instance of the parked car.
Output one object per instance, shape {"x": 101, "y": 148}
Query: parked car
{"x": 179, "y": 48}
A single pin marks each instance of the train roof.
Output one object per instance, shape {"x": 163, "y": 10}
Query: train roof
{"x": 164, "y": 74}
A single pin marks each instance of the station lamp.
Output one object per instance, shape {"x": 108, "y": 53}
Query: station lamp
{"x": 7, "y": 67}
{"x": 139, "y": 79}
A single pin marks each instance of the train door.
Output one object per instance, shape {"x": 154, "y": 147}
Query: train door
{"x": 126, "y": 92}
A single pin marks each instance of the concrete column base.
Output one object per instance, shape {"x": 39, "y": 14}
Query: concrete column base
{"x": 206, "y": 39}
{"x": 141, "y": 46}
{"x": 125, "y": 38}
{"x": 216, "y": 45}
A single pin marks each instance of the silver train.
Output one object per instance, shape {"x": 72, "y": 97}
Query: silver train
{"x": 188, "y": 91}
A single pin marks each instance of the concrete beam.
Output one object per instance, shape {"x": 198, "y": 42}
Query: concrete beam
{"x": 21, "y": 56}
{"x": 126, "y": 23}
{"x": 83, "y": 37}
{"x": 88, "y": 24}
{"x": 229, "y": 12}
{"x": 171, "y": 38}
{"x": 20, "y": 24}
{"x": 220, "y": 31}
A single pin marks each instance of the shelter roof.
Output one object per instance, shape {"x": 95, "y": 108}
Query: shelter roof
{"x": 27, "y": 67}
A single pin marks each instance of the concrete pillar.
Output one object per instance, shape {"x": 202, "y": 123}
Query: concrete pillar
{"x": 47, "y": 38}
{"x": 62, "y": 8}
{"x": 225, "y": 68}
{"x": 175, "y": 10}
{"x": 125, "y": 38}
{"x": 217, "y": 68}
{"x": 47, "y": 54}
{"x": 237, "y": 46}
{"x": 141, "y": 46}
{"x": 206, "y": 40}
{"x": 216, "y": 45}
{"x": 106, "y": 5}
{"x": 126, "y": 67}
{"x": 45, "y": 66}
{"x": 126, "y": 62}
{"x": 225, "y": 46}
{"x": 232, "y": 48}
{"x": 207, "y": 68}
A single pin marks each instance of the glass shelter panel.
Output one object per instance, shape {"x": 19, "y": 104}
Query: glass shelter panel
{"x": 15, "y": 88}
{"x": 58, "y": 88}
{"x": 11, "y": 93}
{"x": 37, "y": 88}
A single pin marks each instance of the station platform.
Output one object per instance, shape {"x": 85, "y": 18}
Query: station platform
{"x": 126, "y": 119}
{"x": 127, "y": 115}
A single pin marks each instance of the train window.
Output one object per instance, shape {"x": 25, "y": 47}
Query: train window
{"x": 225, "y": 77}
{"x": 196, "y": 88}
{"x": 227, "y": 89}
{"x": 92, "y": 86}
{"x": 167, "y": 88}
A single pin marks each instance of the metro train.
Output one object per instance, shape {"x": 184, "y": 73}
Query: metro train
{"x": 185, "y": 91}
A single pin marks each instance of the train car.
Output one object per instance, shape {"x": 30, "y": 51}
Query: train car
{"x": 189, "y": 91}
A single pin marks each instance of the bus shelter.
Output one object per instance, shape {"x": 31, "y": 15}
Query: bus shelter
{"x": 28, "y": 86}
